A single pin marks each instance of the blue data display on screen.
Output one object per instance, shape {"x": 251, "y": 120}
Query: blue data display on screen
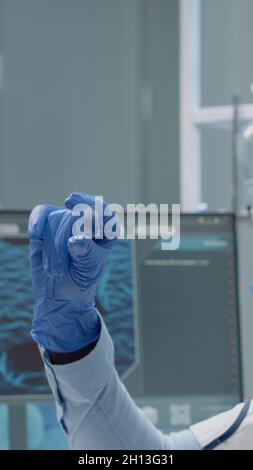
{"x": 21, "y": 368}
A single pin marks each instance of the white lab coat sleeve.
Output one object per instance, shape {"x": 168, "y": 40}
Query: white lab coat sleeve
{"x": 95, "y": 410}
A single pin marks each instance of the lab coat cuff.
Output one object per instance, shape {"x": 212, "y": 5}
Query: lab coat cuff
{"x": 88, "y": 374}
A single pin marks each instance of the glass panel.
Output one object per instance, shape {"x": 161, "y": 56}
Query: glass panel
{"x": 227, "y": 38}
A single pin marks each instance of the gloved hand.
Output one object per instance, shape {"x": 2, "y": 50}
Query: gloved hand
{"x": 66, "y": 271}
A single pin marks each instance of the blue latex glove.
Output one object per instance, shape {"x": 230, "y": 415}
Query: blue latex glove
{"x": 66, "y": 271}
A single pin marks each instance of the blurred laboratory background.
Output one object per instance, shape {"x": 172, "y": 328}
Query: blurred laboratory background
{"x": 139, "y": 101}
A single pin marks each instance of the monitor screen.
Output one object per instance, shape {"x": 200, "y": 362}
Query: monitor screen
{"x": 178, "y": 352}
{"x": 21, "y": 369}
{"x": 188, "y": 322}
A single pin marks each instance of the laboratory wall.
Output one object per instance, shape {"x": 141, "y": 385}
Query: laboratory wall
{"x": 87, "y": 103}
{"x": 90, "y": 93}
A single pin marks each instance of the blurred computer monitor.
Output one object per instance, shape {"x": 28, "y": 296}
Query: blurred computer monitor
{"x": 189, "y": 344}
{"x": 178, "y": 352}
